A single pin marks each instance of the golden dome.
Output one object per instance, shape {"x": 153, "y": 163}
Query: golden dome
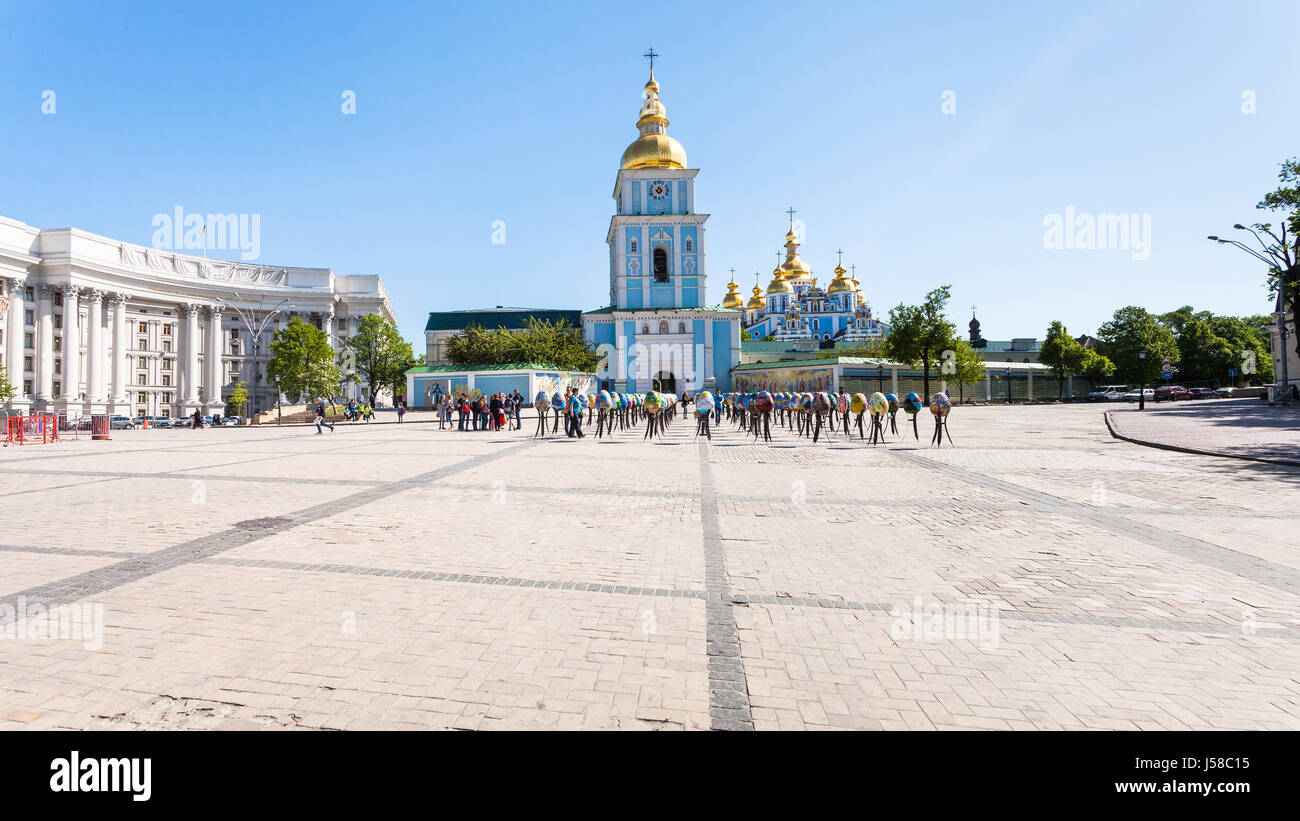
{"x": 841, "y": 283}
{"x": 654, "y": 148}
{"x": 779, "y": 285}
{"x": 793, "y": 266}
{"x": 757, "y": 301}
{"x": 733, "y": 298}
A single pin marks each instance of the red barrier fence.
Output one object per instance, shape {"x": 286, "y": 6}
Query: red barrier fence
{"x": 33, "y": 429}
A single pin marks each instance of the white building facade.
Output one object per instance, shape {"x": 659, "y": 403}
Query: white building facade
{"x": 96, "y": 325}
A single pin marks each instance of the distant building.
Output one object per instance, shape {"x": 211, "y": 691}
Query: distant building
{"x": 443, "y": 325}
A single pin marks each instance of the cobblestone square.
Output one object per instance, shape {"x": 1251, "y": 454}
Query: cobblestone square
{"x": 1039, "y": 575}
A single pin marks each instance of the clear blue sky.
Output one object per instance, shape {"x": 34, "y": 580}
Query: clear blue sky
{"x": 469, "y": 113}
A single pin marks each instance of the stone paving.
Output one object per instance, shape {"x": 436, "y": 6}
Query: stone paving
{"x": 1244, "y": 428}
{"x": 1040, "y": 575}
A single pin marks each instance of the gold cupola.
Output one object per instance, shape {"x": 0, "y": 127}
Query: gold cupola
{"x": 779, "y": 285}
{"x": 841, "y": 283}
{"x": 794, "y": 267}
{"x": 733, "y": 298}
{"x": 654, "y": 148}
{"x": 757, "y": 302}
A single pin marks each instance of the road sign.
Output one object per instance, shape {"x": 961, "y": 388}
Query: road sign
{"x": 1232, "y": 371}
{"x": 1166, "y": 364}
{"x": 1165, "y": 375}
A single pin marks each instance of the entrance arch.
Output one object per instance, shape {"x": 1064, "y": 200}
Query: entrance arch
{"x": 665, "y": 382}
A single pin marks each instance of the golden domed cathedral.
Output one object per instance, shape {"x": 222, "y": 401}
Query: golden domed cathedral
{"x": 797, "y": 308}
{"x": 658, "y": 332}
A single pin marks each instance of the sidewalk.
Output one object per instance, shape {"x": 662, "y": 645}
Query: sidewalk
{"x": 1238, "y": 428}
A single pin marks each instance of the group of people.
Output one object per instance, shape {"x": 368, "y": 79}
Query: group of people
{"x": 358, "y": 411}
{"x": 495, "y": 412}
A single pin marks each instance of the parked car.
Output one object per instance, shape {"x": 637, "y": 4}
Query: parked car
{"x": 1132, "y": 396}
{"x": 1172, "y": 392}
{"x": 1203, "y": 393}
{"x": 121, "y": 423}
{"x": 160, "y": 422}
{"x": 1107, "y": 393}
{"x": 232, "y": 420}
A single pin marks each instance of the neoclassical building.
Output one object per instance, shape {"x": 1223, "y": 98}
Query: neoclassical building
{"x": 95, "y": 325}
{"x": 658, "y": 329}
{"x": 796, "y": 307}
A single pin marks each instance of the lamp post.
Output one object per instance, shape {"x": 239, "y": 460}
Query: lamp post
{"x": 1286, "y": 273}
{"x": 1142, "y": 380}
{"x": 880, "y": 378}
{"x": 1008, "y": 386}
{"x": 255, "y": 330}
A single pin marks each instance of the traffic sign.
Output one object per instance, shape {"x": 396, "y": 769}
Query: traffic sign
{"x": 1232, "y": 371}
{"x": 1165, "y": 375}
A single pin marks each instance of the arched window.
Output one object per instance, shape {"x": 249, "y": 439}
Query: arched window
{"x": 681, "y": 327}
{"x": 663, "y": 326}
{"x": 690, "y": 244}
{"x": 817, "y": 325}
{"x": 645, "y": 328}
{"x": 631, "y": 246}
{"x": 661, "y": 265}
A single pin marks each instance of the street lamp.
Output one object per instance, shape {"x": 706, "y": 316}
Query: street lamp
{"x": 255, "y": 330}
{"x": 1008, "y": 386}
{"x": 1142, "y": 380}
{"x": 880, "y": 377}
{"x": 1285, "y": 273}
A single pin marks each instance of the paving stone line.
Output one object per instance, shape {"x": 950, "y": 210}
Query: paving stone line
{"x": 729, "y": 706}
{"x": 1258, "y": 570}
{"x": 93, "y": 582}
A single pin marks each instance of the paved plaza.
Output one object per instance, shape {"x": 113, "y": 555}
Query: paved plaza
{"x": 1040, "y": 574}
{"x": 1242, "y": 428}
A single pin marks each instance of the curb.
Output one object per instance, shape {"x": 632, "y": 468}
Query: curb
{"x": 1194, "y": 451}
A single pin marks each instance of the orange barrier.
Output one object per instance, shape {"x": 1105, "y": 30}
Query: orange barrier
{"x": 33, "y": 429}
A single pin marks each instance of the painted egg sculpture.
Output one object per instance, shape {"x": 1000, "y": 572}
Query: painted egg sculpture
{"x": 877, "y": 404}
{"x": 940, "y": 404}
{"x": 603, "y": 401}
{"x": 893, "y": 402}
{"x": 704, "y": 403}
{"x": 858, "y": 404}
{"x": 763, "y": 402}
{"x": 653, "y": 401}
{"x": 821, "y": 403}
{"x": 911, "y": 403}
{"x": 541, "y": 400}
{"x": 843, "y": 404}
{"x": 557, "y": 401}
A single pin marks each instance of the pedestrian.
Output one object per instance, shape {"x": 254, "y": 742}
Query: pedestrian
{"x": 462, "y": 409}
{"x": 320, "y": 417}
{"x": 401, "y": 411}
{"x": 568, "y": 416}
{"x": 198, "y": 419}
{"x": 494, "y": 405}
{"x": 518, "y": 402}
{"x": 575, "y": 413}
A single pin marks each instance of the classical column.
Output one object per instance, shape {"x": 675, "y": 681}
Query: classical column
{"x": 71, "y": 344}
{"x": 121, "y": 342}
{"x": 191, "y": 354}
{"x": 14, "y": 339}
{"x": 95, "y": 352}
{"x": 1030, "y": 388}
{"x": 988, "y": 384}
{"x": 216, "y": 379}
{"x": 45, "y": 343}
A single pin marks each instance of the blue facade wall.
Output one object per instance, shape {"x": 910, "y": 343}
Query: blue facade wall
{"x": 722, "y": 363}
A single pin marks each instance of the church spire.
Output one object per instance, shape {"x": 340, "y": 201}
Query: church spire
{"x": 653, "y": 148}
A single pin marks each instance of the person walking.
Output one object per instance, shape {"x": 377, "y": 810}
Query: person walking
{"x": 575, "y": 414}
{"x": 518, "y": 402}
{"x": 320, "y": 417}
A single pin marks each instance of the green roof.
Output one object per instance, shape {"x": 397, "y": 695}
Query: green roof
{"x": 820, "y": 363}
{"x": 513, "y": 318}
{"x": 512, "y": 366}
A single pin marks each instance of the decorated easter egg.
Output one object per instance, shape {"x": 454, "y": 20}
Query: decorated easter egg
{"x": 821, "y": 403}
{"x": 842, "y": 405}
{"x": 877, "y": 404}
{"x": 557, "y": 401}
{"x": 858, "y": 403}
{"x": 654, "y": 401}
{"x": 940, "y": 404}
{"x": 893, "y": 402}
{"x": 763, "y": 402}
{"x": 704, "y": 403}
{"x": 912, "y": 403}
{"x": 603, "y": 401}
{"x": 541, "y": 400}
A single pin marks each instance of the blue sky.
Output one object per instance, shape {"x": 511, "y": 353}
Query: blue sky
{"x": 470, "y": 113}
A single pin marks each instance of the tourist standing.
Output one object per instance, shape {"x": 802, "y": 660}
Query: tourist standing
{"x": 518, "y": 402}
{"x": 401, "y": 411}
{"x": 494, "y": 406}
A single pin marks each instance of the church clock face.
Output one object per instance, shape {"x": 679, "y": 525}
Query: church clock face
{"x": 658, "y": 190}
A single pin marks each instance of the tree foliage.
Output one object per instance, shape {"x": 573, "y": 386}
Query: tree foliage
{"x": 1067, "y": 357}
{"x": 302, "y": 362}
{"x": 1209, "y": 346}
{"x": 919, "y": 334}
{"x": 558, "y": 344}
{"x": 961, "y": 364}
{"x": 1130, "y": 330}
{"x": 378, "y": 355}
{"x": 238, "y": 396}
{"x": 6, "y": 390}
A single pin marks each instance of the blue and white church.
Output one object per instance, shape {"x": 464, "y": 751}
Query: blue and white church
{"x": 658, "y": 331}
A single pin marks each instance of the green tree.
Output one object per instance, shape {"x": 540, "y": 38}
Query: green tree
{"x": 1283, "y": 249}
{"x": 558, "y": 344}
{"x": 238, "y": 396}
{"x": 1203, "y": 354}
{"x": 1096, "y": 367}
{"x": 1066, "y": 357}
{"x": 962, "y": 364}
{"x": 1130, "y": 330}
{"x": 378, "y": 355}
{"x": 6, "y": 390}
{"x": 745, "y": 336}
{"x": 300, "y": 357}
{"x": 919, "y": 334}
